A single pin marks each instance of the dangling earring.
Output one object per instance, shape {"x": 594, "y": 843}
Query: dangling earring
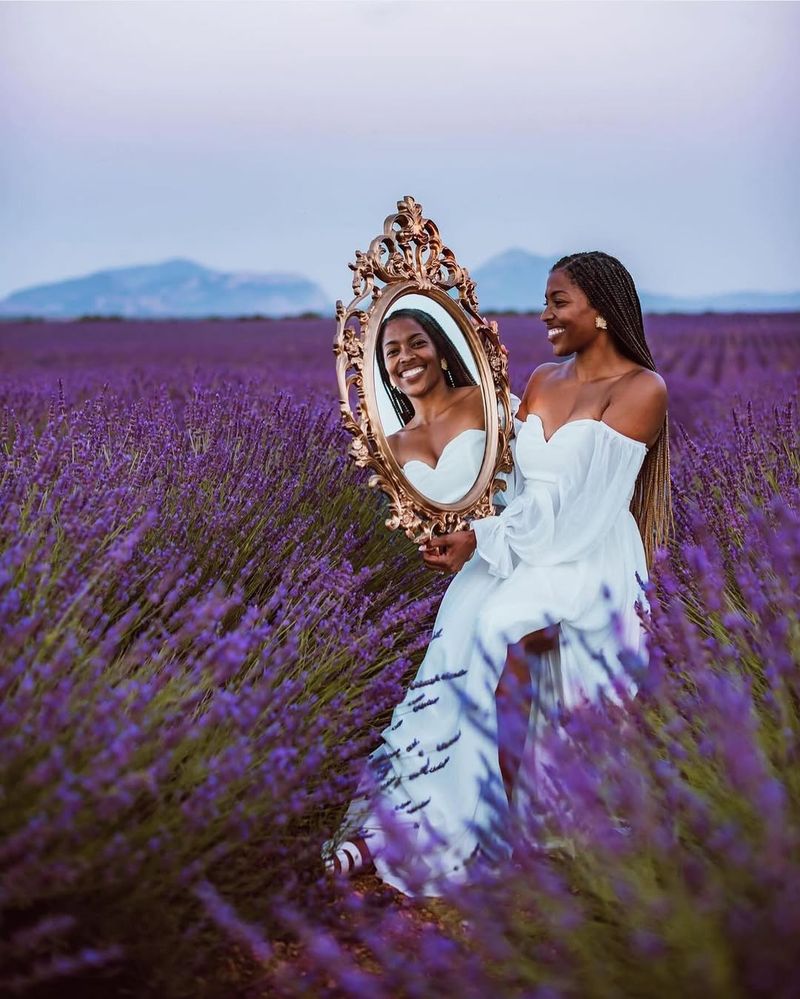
{"x": 600, "y": 323}
{"x": 443, "y": 362}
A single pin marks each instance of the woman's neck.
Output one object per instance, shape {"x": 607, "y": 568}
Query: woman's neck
{"x": 429, "y": 407}
{"x": 600, "y": 359}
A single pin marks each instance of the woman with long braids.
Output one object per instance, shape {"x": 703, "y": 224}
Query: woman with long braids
{"x": 560, "y": 570}
{"x": 442, "y": 438}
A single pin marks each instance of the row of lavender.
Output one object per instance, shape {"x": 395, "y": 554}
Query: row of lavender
{"x": 200, "y": 625}
{"x": 204, "y": 626}
{"x": 715, "y": 350}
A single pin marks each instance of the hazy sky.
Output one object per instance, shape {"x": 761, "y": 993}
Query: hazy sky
{"x": 277, "y": 136}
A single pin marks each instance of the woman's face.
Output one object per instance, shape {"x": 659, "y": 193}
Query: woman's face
{"x": 569, "y": 317}
{"x": 411, "y": 358}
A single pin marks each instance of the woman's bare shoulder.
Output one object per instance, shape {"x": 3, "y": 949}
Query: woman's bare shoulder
{"x": 395, "y": 442}
{"x": 539, "y": 377}
{"x": 638, "y": 406}
{"x": 468, "y": 402}
{"x": 542, "y": 373}
{"x": 643, "y": 386}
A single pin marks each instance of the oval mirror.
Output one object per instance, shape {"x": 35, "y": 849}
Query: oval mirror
{"x": 422, "y": 379}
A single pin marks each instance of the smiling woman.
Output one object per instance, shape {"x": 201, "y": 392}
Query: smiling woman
{"x": 438, "y": 402}
{"x": 560, "y": 571}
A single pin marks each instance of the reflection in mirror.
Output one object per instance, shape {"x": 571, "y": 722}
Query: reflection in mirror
{"x": 429, "y": 399}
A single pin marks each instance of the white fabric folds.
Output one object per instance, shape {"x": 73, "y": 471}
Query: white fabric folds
{"x": 455, "y": 472}
{"x": 573, "y": 489}
{"x": 565, "y": 550}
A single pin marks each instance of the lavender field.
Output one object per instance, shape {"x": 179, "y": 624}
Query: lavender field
{"x": 205, "y": 624}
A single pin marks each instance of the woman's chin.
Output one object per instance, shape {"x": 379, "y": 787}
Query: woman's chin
{"x": 420, "y": 389}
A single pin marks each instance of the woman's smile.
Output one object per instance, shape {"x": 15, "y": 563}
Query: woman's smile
{"x": 412, "y": 373}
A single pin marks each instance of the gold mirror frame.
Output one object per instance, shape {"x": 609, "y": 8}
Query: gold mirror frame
{"x": 408, "y": 257}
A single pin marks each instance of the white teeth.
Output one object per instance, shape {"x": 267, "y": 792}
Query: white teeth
{"x": 552, "y": 334}
{"x": 410, "y": 372}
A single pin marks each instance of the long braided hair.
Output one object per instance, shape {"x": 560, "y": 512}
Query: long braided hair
{"x": 458, "y": 374}
{"x": 610, "y": 289}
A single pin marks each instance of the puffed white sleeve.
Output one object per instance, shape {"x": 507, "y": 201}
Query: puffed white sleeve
{"x": 564, "y": 509}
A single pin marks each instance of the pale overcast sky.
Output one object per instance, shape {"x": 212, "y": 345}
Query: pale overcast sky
{"x": 277, "y": 136}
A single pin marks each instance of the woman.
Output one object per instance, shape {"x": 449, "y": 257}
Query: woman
{"x": 570, "y": 550}
{"x": 441, "y": 443}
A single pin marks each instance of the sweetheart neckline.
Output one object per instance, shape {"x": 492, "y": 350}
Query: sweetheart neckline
{"x": 581, "y": 419}
{"x": 419, "y": 461}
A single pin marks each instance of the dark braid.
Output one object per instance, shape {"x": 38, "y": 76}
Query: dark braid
{"x": 610, "y": 289}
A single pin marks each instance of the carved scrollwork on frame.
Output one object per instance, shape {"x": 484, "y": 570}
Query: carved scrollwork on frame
{"x": 408, "y": 259}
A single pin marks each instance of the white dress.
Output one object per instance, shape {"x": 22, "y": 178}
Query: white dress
{"x": 453, "y": 475}
{"x": 566, "y": 549}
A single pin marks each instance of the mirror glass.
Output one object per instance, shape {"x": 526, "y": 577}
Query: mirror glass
{"x": 430, "y": 400}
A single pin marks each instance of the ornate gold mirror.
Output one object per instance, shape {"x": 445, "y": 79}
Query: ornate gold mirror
{"x": 423, "y": 380}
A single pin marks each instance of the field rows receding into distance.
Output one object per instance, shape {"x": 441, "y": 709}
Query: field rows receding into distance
{"x": 204, "y": 625}
{"x": 723, "y": 353}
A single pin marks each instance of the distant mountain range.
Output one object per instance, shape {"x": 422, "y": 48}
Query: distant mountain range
{"x": 173, "y": 288}
{"x": 515, "y": 280}
{"x": 511, "y": 281}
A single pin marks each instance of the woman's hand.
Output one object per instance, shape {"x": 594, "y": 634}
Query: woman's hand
{"x": 449, "y": 552}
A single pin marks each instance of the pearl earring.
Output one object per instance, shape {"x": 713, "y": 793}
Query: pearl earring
{"x": 444, "y": 365}
{"x": 600, "y": 323}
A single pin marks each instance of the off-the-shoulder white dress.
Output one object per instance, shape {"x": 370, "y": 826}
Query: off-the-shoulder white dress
{"x": 566, "y": 549}
{"x": 453, "y": 475}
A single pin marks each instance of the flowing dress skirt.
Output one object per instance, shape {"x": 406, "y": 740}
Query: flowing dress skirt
{"x": 432, "y": 801}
